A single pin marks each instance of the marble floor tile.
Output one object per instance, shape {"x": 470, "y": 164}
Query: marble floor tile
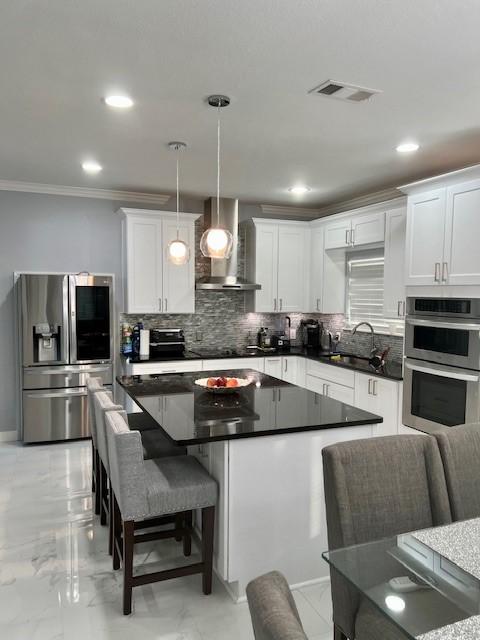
{"x": 56, "y": 579}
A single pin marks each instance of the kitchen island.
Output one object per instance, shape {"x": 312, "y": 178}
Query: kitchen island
{"x": 263, "y": 444}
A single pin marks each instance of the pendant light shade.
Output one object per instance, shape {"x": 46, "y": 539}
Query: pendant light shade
{"x": 178, "y": 251}
{"x": 216, "y": 242}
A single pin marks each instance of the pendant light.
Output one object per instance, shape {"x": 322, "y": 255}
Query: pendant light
{"x": 217, "y": 242}
{"x": 178, "y": 251}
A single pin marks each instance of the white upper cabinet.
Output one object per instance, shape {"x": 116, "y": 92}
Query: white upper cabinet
{"x": 355, "y": 231}
{"x": 292, "y": 267}
{"x": 152, "y": 283}
{"x": 394, "y": 269}
{"x": 425, "y": 237}
{"x": 316, "y": 268}
{"x": 443, "y": 226}
{"x": 278, "y": 259}
{"x": 179, "y": 280}
{"x": 462, "y": 232}
{"x": 337, "y": 233}
{"x": 368, "y": 229}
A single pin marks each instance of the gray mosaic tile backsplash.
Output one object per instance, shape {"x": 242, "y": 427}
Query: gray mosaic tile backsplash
{"x": 221, "y": 321}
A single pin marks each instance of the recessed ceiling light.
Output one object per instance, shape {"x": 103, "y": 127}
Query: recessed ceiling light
{"x": 119, "y": 102}
{"x": 407, "y": 147}
{"x": 90, "y": 166}
{"x": 299, "y": 190}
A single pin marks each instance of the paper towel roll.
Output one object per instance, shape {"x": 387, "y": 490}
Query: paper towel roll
{"x": 144, "y": 342}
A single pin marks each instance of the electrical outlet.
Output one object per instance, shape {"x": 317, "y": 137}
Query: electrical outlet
{"x": 293, "y": 334}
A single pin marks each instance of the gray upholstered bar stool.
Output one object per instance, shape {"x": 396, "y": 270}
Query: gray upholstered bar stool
{"x": 375, "y": 489}
{"x": 146, "y": 490}
{"x": 460, "y": 452}
{"x": 273, "y": 610}
{"x": 103, "y": 402}
{"x": 94, "y": 385}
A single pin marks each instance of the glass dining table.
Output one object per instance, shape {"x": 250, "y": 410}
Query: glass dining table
{"x": 426, "y": 583}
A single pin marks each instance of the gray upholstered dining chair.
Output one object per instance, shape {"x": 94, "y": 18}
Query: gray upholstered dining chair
{"x": 273, "y": 610}
{"x": 460, "y": 452}
{"x": 374, "y": 489}
{"x": 146, "y": 490}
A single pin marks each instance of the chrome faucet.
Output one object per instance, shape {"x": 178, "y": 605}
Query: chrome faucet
{"x": 373, "y": 350}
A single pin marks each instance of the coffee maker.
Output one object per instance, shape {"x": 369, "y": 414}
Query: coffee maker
{"x": 310, "y": 334}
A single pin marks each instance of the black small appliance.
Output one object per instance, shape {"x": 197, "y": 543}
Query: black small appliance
{"x": 310, "y": 334}
{"x": 166, "y": 342}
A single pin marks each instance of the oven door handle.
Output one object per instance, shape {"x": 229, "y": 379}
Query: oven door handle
{"x": 470, "y": 326}
{"x": 468, "y": 377}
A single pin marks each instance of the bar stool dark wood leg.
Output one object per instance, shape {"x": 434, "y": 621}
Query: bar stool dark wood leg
{"x": 98, "y": 497}
{"x": 128, "y": 543}
{"x": 208, "y": 523}
{"x": 187, "y": 538}
{"x": 117, "y": 533}
{"x": 179, "y": 525}
{"x": 110, "y": 519}
{"x": 103, "y": 495}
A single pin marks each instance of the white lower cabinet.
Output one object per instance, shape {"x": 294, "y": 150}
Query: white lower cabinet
{"x": 380, "y": 396}
{"x": 273, "y": 367}
{"x": 222, "y": 364}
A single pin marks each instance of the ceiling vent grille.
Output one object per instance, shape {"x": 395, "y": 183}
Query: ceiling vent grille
{"x": 344, "y": 91}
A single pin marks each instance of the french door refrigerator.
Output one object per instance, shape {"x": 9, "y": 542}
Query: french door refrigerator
{"x": 66, "y": 336}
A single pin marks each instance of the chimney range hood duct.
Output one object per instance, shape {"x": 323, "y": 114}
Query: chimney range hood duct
{"x": 224, "y": 272}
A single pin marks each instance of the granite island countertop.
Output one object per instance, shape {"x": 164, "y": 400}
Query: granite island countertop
{"x": 268, "y": 406}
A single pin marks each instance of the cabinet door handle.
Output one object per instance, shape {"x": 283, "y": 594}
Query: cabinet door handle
{"x": 318, "y": 304}
{"x": 437, "y": 272}
{"x": 166, "y": 305}
{"x": 374, "y": 387}
{"x": 286, "y": 365}
{"x": 399, "y": 305}
{"x": 369, "y": 386}
{"x": 273, "y": 395}
{"x": 346, "y": 236}
{"x": 274, "y": 304}
{"x": 159, "y": 304}
{"x": 404, "y": 303}
{"x": 281, "y": 304}
{"x": 444, "y": 271}
{"x": 352, "y": 237}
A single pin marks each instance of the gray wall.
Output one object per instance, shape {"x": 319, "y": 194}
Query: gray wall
{"x": 53, "y": 233}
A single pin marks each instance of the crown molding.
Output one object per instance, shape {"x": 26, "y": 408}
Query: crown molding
{"x": 84, "y": 192}
{"x": 286, "y": 211}
{"x": 361, "y": 201}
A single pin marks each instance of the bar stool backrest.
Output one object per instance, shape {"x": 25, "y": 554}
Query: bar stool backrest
{"x": 103, "y": 402}
{"x": 93, "y": 385}
{"x": 127, "y": 470}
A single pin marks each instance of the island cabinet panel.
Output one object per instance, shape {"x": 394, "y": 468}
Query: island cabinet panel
{"x": 276, "y": 506}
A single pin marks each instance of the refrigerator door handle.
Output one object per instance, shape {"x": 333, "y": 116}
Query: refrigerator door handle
{"x": 64, "y": 393}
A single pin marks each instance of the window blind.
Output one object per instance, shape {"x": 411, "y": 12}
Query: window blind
{"x": 365, "y": 287}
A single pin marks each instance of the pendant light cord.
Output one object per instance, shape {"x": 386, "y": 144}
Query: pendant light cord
{"x": 218, "y": 165}
{"x": 178, "y": 195}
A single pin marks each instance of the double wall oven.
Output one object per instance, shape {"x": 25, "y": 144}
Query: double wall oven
{"x": 66, "y": 331}
{"x": 442, "y": 363}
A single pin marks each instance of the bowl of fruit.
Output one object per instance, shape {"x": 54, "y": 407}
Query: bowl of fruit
{"x": 222, "y": 384}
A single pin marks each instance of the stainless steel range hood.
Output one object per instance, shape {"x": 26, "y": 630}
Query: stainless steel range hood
{"x": 224, "y": 274}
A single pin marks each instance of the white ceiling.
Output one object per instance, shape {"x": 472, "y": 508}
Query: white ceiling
{"x": 60, "y": 57}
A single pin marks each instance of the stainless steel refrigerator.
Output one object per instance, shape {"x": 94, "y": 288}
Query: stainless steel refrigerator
{"x": 66, "y": 336}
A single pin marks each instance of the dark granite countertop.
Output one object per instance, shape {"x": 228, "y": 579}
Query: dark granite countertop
{"x": 391, "y": 370}
{"x": 190, "y": 415}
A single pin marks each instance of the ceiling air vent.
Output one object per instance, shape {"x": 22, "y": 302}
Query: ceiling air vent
{"x": 344, "y": 91}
